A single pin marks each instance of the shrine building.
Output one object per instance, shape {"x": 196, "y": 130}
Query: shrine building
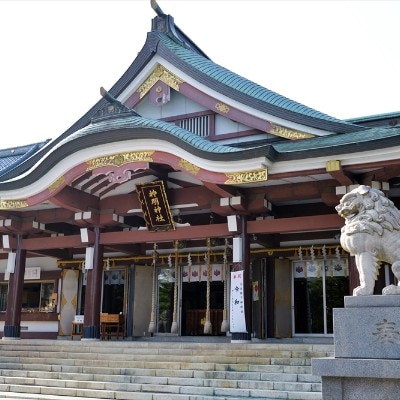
{"x": 188, "y": 201}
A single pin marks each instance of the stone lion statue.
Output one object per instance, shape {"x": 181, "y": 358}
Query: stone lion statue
{"x": 372, "y": 234}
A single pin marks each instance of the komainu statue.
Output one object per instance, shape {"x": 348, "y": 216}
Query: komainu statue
{"x": 372, "y": 234}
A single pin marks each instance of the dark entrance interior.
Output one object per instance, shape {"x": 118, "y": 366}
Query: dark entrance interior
{"x": 113, "y": 292}
{"x": 194, "y": 305}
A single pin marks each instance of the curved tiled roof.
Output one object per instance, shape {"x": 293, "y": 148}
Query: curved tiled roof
{"x": 246, "y": 91}
{"x": 368, "y": 118}
{"x": 370, "y": 139}
{"x": 12, "y": 157}
{"x": 179, "y": 50}
{"x": 138, "y": 122}
{"x": 130, "y": 126}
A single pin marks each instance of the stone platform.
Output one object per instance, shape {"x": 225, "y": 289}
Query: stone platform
{"x": 366, "y": 362}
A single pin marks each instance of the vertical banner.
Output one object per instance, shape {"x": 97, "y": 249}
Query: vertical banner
{"x": 237, "y": 315}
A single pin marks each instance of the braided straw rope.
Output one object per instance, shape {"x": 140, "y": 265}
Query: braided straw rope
{"x": 174, "y": 326}
{"x": 152, "y": 324}
{"x": 225, "y": 323}
{"x": 207, "y": 324}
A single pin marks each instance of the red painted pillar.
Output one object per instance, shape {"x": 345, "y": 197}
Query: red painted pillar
{"x": 12, "y": 324}
{"x": 94, "y": 281}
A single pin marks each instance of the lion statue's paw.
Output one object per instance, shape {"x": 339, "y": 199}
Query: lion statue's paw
{"x": 363, "y": 291}
{"x": 391, "y": 289}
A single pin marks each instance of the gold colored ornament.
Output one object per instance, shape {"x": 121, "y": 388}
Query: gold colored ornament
{"x": 188, "y": 166}
{"x": 222, "y": 107}
{"x": 257, "y": 175}
{"x": 12, "y": 204}
{"x": 120, "y": 159}
{"x": 56, "y": 184}
{"x": 160, "y": 73}
{"x": 288, "y": 133}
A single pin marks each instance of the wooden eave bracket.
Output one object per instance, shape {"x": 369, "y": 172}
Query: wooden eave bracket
{"x": 258, "y": 204}
{"x": 334, "y": 168}
{"x": 75, "y": 200}
{"x": 87, "y": 218}
{"x": 221, "y": 190}
{"x": 32, "y": 226}
{"x": 8, "y": 243}
{"x": 111, "y": 218}
{"x": 230, "y": 205}
{"x": 10, "y": 225}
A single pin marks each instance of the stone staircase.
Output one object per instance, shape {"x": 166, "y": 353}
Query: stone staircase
{"x": 156, "y": 370}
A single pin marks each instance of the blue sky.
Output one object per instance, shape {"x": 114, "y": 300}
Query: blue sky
{"x": 339, "y": 57}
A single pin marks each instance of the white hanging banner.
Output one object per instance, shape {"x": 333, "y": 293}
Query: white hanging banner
{"x": 204, "y": 273}
{"x": 195, "y": 273}
{"x": 237, "y": 314}
{"x": 216, "y": 272}
{"x": 186, "y": 273}
{"x": 199, "y": 273}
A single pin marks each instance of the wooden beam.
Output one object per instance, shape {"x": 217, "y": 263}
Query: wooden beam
{"x": 75, "y": 200}
{"x": 10, "y": 225}
{"x": 56, "y": 242}
{"x": 220, "y": 190}
{"x": 267, "y": 226}
{"x": 334, "y": 168}
{"x": 297, "y": 224}
{"x": 381, "y": 175}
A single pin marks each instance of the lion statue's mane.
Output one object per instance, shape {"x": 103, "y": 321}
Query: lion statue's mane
{"x": 372, "y": 234}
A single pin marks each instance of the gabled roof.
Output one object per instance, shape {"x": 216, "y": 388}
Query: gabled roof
{"x": 170, "y": 43}
{"x": 247, "y": 92}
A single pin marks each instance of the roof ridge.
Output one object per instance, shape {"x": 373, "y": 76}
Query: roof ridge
{"x": 245, "y": 87}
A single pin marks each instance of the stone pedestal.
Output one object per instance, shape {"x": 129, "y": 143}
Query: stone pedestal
{"x": 366, "y": 364}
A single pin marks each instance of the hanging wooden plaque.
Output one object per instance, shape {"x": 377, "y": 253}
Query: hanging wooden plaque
{"x": 155, "y": 206}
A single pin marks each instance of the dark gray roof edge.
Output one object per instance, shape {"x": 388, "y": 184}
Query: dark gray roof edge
{"x": 93, "y": 137}
{"x": 353, "y": 142}
{"x": 375, "y": 117}
{"x": 24, "y": 151}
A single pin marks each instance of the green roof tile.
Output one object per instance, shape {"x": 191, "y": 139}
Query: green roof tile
{"x": 241, "y": 84}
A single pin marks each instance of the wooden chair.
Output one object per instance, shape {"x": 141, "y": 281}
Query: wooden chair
{"x": 112, "y": 325}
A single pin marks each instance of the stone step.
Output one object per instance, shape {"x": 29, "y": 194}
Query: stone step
{"x": 159, "y": 374}
{"x": 184, "y": 353}
{"x": 135, "y": 396}
{"x": 58, "y": 379}
{"x": 110, "y": 359}
{"x": 218, "y": 372}
{"x": 182, "y": 371}
{"x": 155, "y": 392}
{"x": 190, "y": 349}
